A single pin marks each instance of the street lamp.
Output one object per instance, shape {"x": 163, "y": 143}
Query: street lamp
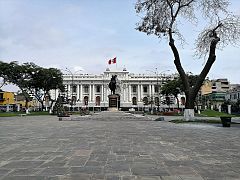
{"x": 72, "y": 77}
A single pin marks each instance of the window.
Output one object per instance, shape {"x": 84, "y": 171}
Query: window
{"x": 145, "y": 101}
{"x": 85, "y": 89}
{"x": 85, "y": 100}
{"x": 74, "y": 89}
{"x": 134, "y": 89}
{"x": 134, "y": 101}
{"x": 98, "y": 89}
{"x": 145, "y": 89}
{"x": 168, "y": 100}
{"x": 66, "y": 88}
{"x": 235, "y": 96}
{"x": 183, "y": 100}
{"x": 156, "y": 101}
{"x": 156, "y": 89}
{"x": 74, "y": 100}
{"x": 1, "y": 96}
{"x": 98, "y": 101}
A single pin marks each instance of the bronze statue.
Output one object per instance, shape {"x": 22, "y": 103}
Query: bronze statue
{"x": 112, "y": 84}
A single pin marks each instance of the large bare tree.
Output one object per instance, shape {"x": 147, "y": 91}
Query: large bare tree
{"x": 163, "y": 19}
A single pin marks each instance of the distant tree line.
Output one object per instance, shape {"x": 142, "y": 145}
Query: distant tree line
{"x": 32, "y": 80}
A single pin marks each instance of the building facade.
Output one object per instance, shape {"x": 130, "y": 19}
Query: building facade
{"x": 135, "y": 90}
{"x": 213, "y": 93}
{"x": 206, "y": 88}
{"x": 233, "y": 95}
{"x": 220, "y": 85}
{"x": 6, "y": 100}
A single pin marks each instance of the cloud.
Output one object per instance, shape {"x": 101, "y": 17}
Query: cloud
{"x": 78, "y": 69}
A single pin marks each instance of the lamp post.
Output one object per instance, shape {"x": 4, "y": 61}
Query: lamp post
{"x": 72, "y": 78}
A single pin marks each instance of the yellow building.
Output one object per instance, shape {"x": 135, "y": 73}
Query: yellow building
{"x": 7, "y": 101}
{"x": 6, "y": 98}
{"x": 20, "y": 101}
{"x": 11, "y": 102}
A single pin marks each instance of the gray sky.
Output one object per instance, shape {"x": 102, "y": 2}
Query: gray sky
{"x": 85, "y": 34}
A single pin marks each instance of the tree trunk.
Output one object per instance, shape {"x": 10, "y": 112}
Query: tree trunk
{"x": 39, "y": 98}
{"x": 177, "y": 101}
{"x": 42, "y": 104}
{"x": 26, "y": 105}
{"x": 191, "y": 92}
{"x": 52, "y": 102}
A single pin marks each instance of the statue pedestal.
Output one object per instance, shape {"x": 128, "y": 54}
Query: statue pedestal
{"x": 113, "y": 102}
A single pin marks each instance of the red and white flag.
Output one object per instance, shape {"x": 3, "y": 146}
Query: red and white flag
{"x": 112, "y": 61}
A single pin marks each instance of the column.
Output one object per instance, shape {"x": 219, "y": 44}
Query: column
{"x": 130, "y": 92}
{"x": 81, "y": 93}
{"x": 150, "y": 90}
{"x": 141, "y": 97}
{"x": 77, "y": 91}
{"x": 69, "y": 91}
{"x": 104, "y": 97}
{"x": 139, "y": 93}
{"x": 153, "y": 90}
{"x": 93, "y": 90}
{"x": 69, "y": 88}
{"x": 102, "y": 91}
{"x": 124, "y": 93}
{"x": 90, "y": 93}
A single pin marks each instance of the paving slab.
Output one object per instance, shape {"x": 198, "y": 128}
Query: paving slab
{"x": 116, "y": 145}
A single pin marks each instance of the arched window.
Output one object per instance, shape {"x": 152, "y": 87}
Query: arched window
{"x": 74, "y": 99}
{"x": 145, "y": 101}
{"x": 98, "y": 101}
{"x": 134, "y": 101}
{"x": 85, "y": 100}
{"x": 168, "y": 100}
{"x": 156, "y": 100}
{"x": 183, "y": 100}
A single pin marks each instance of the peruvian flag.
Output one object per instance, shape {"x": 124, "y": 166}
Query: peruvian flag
{"x": 112, "y": 61}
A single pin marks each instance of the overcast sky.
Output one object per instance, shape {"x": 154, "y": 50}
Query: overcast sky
{"x": 85, "y": 34}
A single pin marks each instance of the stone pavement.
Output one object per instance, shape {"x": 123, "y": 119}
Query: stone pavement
{"x": 114, "y": 146}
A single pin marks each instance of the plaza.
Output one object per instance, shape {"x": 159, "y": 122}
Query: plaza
{"x": 116, "y": 145}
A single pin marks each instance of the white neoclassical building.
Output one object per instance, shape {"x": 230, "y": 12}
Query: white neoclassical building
{"x": 135, "y": 90}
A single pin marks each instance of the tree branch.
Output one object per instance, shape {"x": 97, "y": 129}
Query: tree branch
{"x": 177, "y": 62}
{"x": 208, "y": 65}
